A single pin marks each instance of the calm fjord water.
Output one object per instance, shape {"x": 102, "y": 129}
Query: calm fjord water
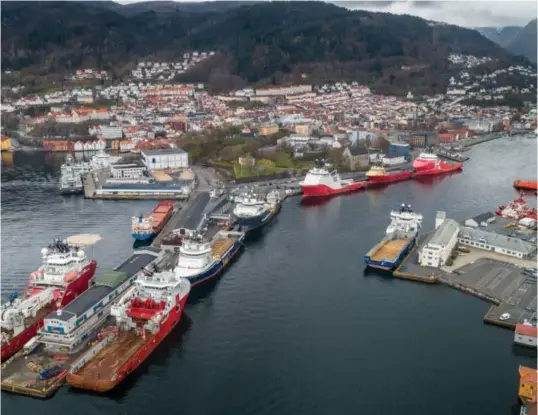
{"x": 294, "y": 326}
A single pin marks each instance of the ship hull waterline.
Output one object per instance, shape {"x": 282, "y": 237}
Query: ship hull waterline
{"x": 144, "y": 349}
{"x": 435, "y": 171}
{"x": 390, "y": 178}
{"x": 71, "y": 291}
{"x": 321, "y": 190}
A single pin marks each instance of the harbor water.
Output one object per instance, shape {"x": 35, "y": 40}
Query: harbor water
{"x": 295, "y": 326}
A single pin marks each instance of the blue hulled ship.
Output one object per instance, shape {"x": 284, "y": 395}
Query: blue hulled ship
{"x": 400, "y": 238}
{"x": 253, "y": 211}
{"x": 201, "y": 260}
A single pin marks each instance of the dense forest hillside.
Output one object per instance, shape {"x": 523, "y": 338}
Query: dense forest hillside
{"x": 266, "y": 42}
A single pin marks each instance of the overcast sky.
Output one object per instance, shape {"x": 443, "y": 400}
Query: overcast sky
{"x": 461, "y": 13}
{"x": 477, "y": 13}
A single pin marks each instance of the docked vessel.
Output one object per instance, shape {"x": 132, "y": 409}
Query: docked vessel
{"x": 401, "y": 235}
{"x": 321, "y": 182}
{"x": 66, "y": 333}
{"x": 148, "y": 226}
{"x": 428, "y": 164}
{"x": 525, "y": 185}
{"x": 71, "y": 176}
{"x": 378, "y": 175}
{"x": 252, "y": 211}
{"x": 65, "y": 274}
{"x": 143, "y": 318}
{"x": 517, "y": 209}
{"x": 200, "y": 260}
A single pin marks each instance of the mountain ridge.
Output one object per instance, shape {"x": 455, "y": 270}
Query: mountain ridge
{"x": 265, "y": 42}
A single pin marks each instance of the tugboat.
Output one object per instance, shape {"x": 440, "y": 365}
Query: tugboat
{"x": 378, "y": 175}
{"x": 321, "y": 182}
{"x": 400, "y": 237}
{"x": 201, "y": 260}
{"x": 65, "y": 274}
{"x": 143, "y": 319}
{"x": 253, "y": 211}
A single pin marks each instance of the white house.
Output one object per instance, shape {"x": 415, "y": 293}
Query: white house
{"x": 443, "y": 241}
{"x": 171, "y": 158}
{"x": 127, "y": 171}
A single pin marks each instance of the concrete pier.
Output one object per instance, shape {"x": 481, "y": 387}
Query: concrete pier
{"x": 495, "y": 278}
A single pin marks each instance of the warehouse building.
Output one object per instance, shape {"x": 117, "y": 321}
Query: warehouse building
{"x": 495, "y": 242}
{"x": 437, "y": 251}
{"x": 171, "y": 158}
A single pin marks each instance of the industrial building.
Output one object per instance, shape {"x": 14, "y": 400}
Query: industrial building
{"x": 484, "y": 219}
{"x": 127, "y": 171}
{"x": 171, "y": 158}
{"x": 438, "y": 249}
{"x": 501, "y": 244}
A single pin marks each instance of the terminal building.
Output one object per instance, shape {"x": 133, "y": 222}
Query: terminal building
{"x": 440, "y": 246}
{"x": 170, "y": 158}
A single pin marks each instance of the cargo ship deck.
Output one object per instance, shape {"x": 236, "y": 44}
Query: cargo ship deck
{"x": 29, "y": 321}
{"x": 389, "y": 250}
{"x": 17, "y": 377}
{"x": 107, "y": 362}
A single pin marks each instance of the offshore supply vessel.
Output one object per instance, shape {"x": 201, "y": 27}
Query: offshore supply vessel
{"x": 147, "y": 227}
{"x": 401, "y": 235}
{"x": 525, "y": 184}
{"x": 253, "y": 211}
{"x": 428, "y": 164}
{"x": 65, "y": 274}
{"x": 321, "y": 182}
{"x": 143, "y": 318}
{"x": 201, "y": 260}
{"x": 71, "y": 176}
{"x": 40, "y": 368}
{"x": 378, "y": 175}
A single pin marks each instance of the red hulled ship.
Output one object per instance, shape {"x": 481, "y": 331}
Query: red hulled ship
{"x": 144, "y": 317}
{"x": 321, "y": 182}
{"x": 517, "y": 209}
{"x": 378, "y": 175}
{"x": 428, "y": 164}
{"x": 64, "y": 275}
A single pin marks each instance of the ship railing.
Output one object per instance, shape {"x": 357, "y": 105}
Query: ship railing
{"x": 90, "y": 354}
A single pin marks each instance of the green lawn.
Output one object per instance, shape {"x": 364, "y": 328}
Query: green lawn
{"x": 249, "y": 171}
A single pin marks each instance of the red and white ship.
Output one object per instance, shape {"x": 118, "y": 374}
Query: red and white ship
{"x": 517, "y": 209}
{"x": 144, "y": 317}
{"x": 378, "y": 175}
{"x": 64, "y": 275}
{"x": 321, "y": 182}
{"x": 428, "y": 164}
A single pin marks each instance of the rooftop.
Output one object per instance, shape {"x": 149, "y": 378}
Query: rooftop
{"x": 445, "y": 232}
{"x": 498, "y": 240}
{"x": 163, "y": 151}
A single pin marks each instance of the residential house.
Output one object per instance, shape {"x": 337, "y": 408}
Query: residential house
{"x": 356, "y": 157}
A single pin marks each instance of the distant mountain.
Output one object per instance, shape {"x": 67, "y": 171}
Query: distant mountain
{"x": 500, "y": 35}
{"x": 264, "y": 42}
{"x": 524, "y": 43}
{"x": 517, "y": 40}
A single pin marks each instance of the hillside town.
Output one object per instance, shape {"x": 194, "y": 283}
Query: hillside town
{"x": 306, "y": 118}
